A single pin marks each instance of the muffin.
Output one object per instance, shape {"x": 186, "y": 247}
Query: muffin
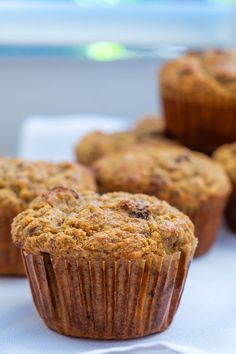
{"x": 107, "y": 267}
{"x": 190, "y": 181}
{"x": 20, "y": 182}
{"x": 226, "y": 156}
{"x": 198, "y": 93}
{"x": 149, "y": 127}
{"x": 97, "y": 144}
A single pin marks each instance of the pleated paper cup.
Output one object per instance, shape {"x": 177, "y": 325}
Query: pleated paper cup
{"x": 207, "y": 219}
{"x": 10, "y": 257}
{"x": 201, "y": 124}
{"x": 107, "y": 299}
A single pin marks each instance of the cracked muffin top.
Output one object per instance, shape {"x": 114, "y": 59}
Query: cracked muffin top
{"x": 211, "y": 72}
{"x": 21, "y": 181}
{"x": 226, "y": 156}
{"x": 114, "y": 225}
{"x": 97, "y": 144}
{"x": 176, "y": 174}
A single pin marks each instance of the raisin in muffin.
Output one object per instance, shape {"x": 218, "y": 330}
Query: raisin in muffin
{"x": 110, "y": 266}
{"x": 199, "y": 93}
{"x": 226, "y": 156}
{"x": 20, "y": 182}
{"x": 190, "y": 181}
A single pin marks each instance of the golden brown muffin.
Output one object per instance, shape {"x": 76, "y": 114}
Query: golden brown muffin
{"x": 190, "y": 181}
{"x": 226, "y": 156}
{"x": 97, "y": 144}
{"x": 110, "y": 266}
{"x": 150, "y": 127}
{"x": 199, "y": 93}
{"x": 20, "y": 182}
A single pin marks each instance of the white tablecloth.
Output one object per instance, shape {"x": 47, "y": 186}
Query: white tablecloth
{"x": 206, "y": 319}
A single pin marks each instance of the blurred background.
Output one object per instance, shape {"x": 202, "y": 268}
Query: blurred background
{"x": 74, "y": 57}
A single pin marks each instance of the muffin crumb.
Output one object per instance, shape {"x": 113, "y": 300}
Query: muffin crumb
{"x": 113, "y": 225}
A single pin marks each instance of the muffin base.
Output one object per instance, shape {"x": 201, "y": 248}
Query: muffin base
{"x": 10, "y": 257}
{"x": 201, "y": 125}
{"x": 207, "y": 219}
{"x": 107, "y": 299}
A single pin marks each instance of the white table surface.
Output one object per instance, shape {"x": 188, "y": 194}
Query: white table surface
{"x": 206, "y": 319}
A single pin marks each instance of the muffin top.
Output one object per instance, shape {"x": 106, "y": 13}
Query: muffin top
{"x": 210, "y": 72}
{"x": 97, "y": 144}
{"x": 114, "y": 225}
{"x": 150, "y": 126}
{"x": 173, "y": 173}
{"x": 21, "y": 181}
{"x": 226, "y": 156}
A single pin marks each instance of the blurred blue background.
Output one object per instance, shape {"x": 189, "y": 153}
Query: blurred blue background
{"x": 69, "y": 57}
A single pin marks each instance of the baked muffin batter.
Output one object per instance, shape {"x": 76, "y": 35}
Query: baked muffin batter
{"x": 20, "y": 182}
{"x": 176, "y": 174}
{"x": 113, "y": 225}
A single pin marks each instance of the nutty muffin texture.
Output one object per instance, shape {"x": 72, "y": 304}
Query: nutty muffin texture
{"x": 182, "y": 177}
{"x": 211, "y": 72}
{"x": 114, "y": 225}
{"x": 226, "y": 156}
{"x": 21, "y": 181}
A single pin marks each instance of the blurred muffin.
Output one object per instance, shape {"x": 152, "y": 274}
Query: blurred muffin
{"x": 97, "y": 144}
{"x": 150, "y": 127}
{"x": 199, "y": 93}
{"x": 190, "y": 181}
{"x": 226, "y": 156}
{"x": 110, "y": 266}
{"x": 20, "y": 182}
